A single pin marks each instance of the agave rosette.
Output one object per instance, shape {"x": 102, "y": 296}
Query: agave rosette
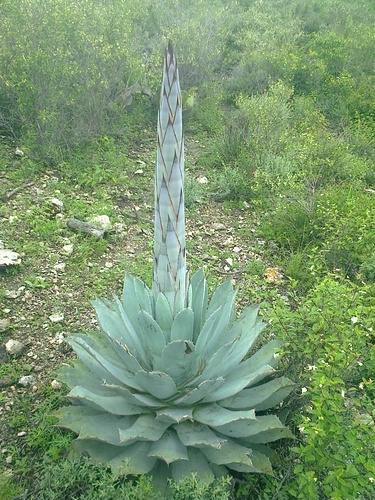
{"x": 171, "y": 383}
{"x": 163, "y": 395}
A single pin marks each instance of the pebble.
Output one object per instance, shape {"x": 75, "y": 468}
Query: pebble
{"x": 57, "y": 204}
{"x": 13, "y": 294}
{"x": 14, "y": 346}
{"x": 55, "y": 384}
{"x": 101, "y": 221}
{"x": 26, "y": 380}
{"x": 56, "y": 318}
{"x": 4, "y": 323}
{"x": 68, "y": 249}
{"x": 9, "y": 258}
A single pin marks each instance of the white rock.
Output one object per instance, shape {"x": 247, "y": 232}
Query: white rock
{"x": 14, "y": 346}
{"x": 202, "y": 180}
{"x": 9, "y": 258}
{"x": 56, "y": 385}
{"x": 139, "y": 171}
{"x": 26, "y": 380}
{"x": 68, "y": 249}
{"x": 56, "y": 318}
{"x": 4, "y": 323}
{"x": 60, "y": 266}
{"x": 19, "y": 152}
{"x": 229, "y": 261}
{"x": 57, "y": 204}
{"x": 13, "y": 294}
{"x": 101, "y": 221}
{"x": 218, "y": 226}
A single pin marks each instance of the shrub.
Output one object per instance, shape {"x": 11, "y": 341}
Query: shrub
{"x": 334, "y": 454}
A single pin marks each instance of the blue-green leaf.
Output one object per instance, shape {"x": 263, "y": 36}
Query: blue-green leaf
{"x": 263, "y": 429}
{"x": 214, "y": 415}
{"x": 261, "y": 397}
{"x": 197, "y": 464}
{"x": 169, "y": 448}
{"x": 196, "y": 434}
{"x": 158, "y": 384}
{"x": 199, "y": 299}
{"x": 145, "y": 428}
{"x": 115, "y": 404}
{"x": 229, "y": 452}
{"x": 176, "y": 360}
{"x": 173, "y": 415}
{"x": 194, "y": 395}
{"x": 163, "y": 315}
{"x": 183, "y": 325}
{"x": 219, "y": 297}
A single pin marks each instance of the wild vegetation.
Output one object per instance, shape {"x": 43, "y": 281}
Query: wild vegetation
{"x": 279, "y": 126}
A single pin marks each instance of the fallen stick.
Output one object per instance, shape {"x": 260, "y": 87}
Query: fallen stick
{"x": 10, "y": 194}
{"x": 86, "y": 227}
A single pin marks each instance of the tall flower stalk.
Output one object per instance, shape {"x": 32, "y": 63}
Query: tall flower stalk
{"x": 169, "y": 231}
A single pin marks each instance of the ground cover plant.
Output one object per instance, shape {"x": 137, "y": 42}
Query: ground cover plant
{"x": 282, "y": 204}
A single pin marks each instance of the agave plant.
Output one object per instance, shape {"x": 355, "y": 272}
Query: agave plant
{"x": 171, "y": 383}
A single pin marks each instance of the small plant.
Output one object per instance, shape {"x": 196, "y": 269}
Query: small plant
{"x": 171, "y": 383}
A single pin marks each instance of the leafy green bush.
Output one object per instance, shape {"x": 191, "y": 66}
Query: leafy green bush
{"x": 334, "y": 454}
{"x": 67, "y": 71}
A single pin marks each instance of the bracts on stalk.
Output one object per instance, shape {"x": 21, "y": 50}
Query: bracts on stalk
{"x": 170, "y": 277}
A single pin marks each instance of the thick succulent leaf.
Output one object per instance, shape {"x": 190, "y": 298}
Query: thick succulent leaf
{"x": 169, "y": 448}
{"x": 260, "y": 463}
{"x": 144, "y": 295}
{"x": 111, "y": 403}
{"x": 215, "y": 323}
{"x": 127, "y": 358}
{"x": 134, "y": 459}
{"x": 262, "y": 397}
{"x": 220, "y": 297}
{"x": 174, "y": 415}
{"x": 199, "y": 300}
{"x": 196, "y": 434}
{"x": 89, "y": 361}
{"x": 239, "y": 349}
{"x": 234, "y": 385}
{"x": 194, "y": 395}
{"x": 79, "y": 374}
{"x": 263, "y": 429}
{"x": 244, "y": 325}
{"x": 183, "y": 325}
{"x": 217, "y": 337}
{"x": 176, "y": 360}
{"x": 197, "y": 464}
{"x": 136, "y": 296}
{"x": 131, "y": 459}
{"x": 157, "y": 384}
{"x": 152, "y": 338}
{"x": 163, "y": 315}
{"x": 160, "y": 474}
{"x": 115, "y": 322}
{"x": 102, "y": 426}
{"x": 145, "y": 428}
{"x": 230, "y": 452}
{"x": 215, "y": 416}
{"x": 215, "y": 365}
{"x": 98, "y": 451}
{"x": 109, "y": 363}
{"x": 132, "y": 334}
{"x": 148, "y": 400}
